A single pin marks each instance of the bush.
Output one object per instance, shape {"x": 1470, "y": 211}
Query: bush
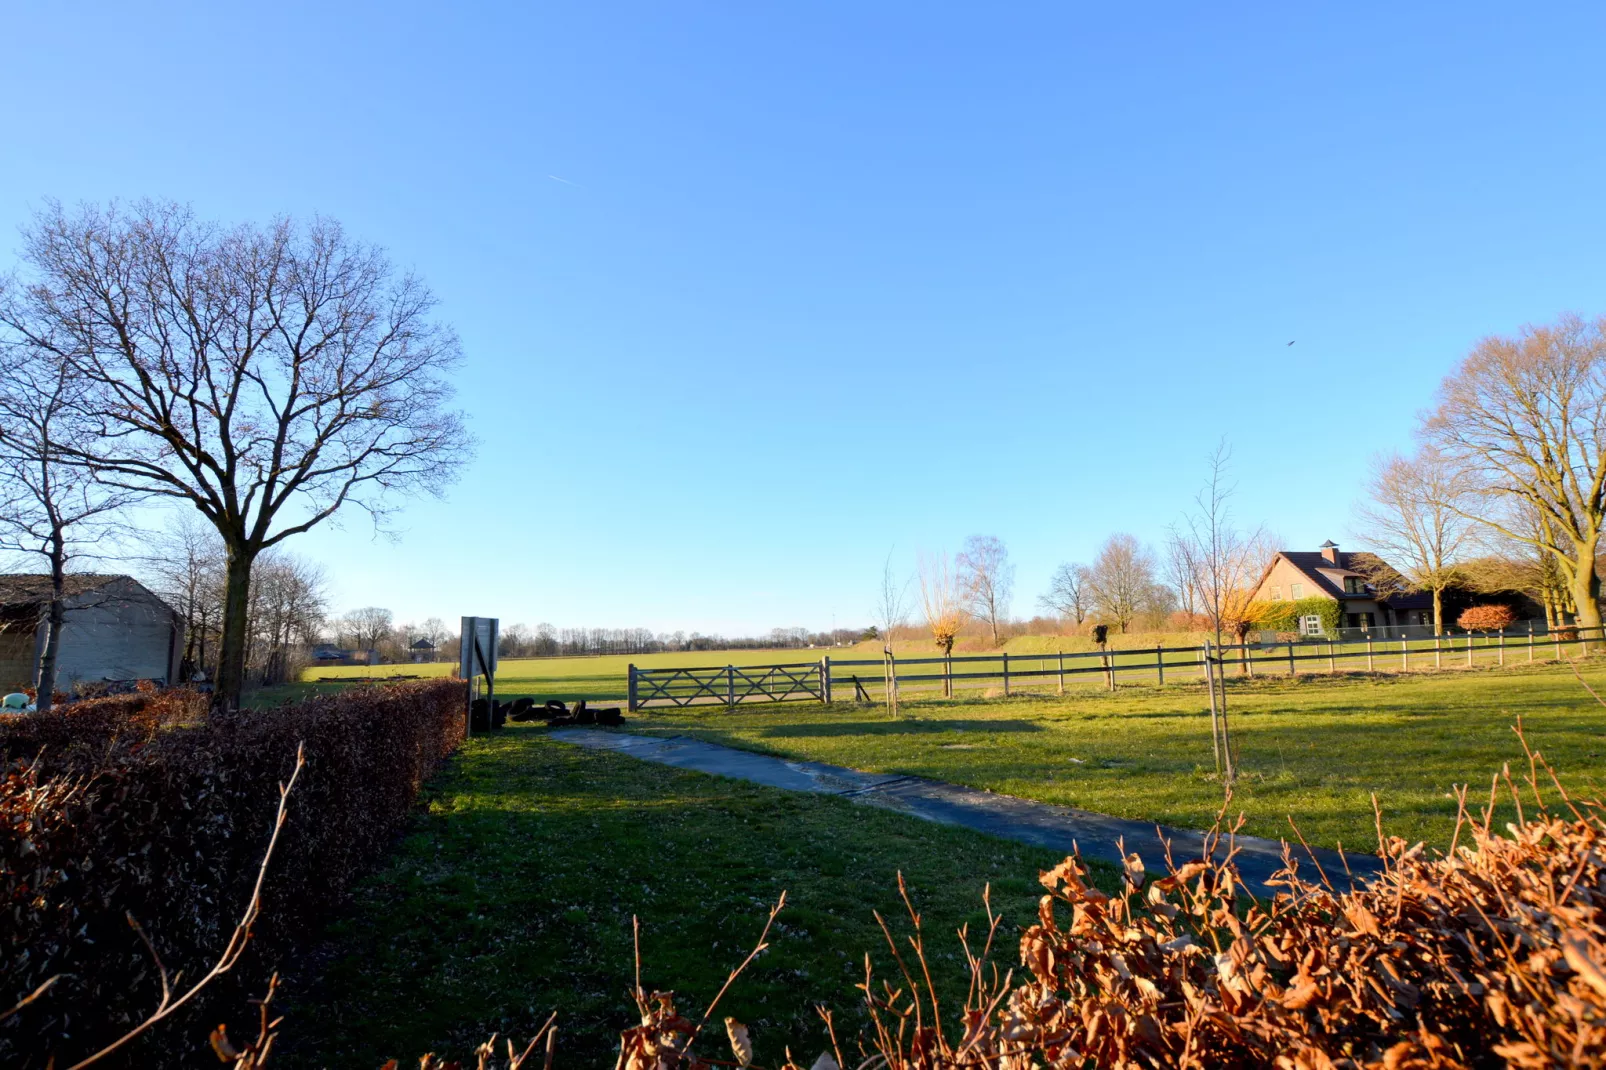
{"x": 141, "y": 804}
{"x": 1486, "y": 619}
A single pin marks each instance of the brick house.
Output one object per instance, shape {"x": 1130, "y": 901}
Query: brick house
{"x": 1329, "y": 572}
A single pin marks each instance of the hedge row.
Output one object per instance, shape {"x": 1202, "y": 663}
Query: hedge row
{"x": 143, "y": 804}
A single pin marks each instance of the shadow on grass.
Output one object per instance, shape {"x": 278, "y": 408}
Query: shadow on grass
{"x": 895, "y": 728}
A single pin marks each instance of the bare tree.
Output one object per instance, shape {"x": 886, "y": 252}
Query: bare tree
{"x": 288, "y": 605}
{"x": 1418, "y": 519}
{"x": 891, "y": 610}
{"x": 1067, "y": 594}
{"x": 942, "y": 600}
{"x": 434, "y": 629}
{"x": 1525, "y": 417}
{"x": 49, "y": 509}
{"x": 366, "y": 627}
{"x": 184, "y": 565}
{"x": 986, "y": 579}
{"x": 1227, "y": 560}
{"x": 1182, "y": 572}
{"x": 1120, "y": 582}
{"x": 267, "y": 376}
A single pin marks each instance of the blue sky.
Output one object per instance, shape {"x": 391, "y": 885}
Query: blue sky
{"x": 820, "y": 280}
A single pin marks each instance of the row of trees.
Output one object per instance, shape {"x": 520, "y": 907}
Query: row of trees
{"x": 265, "y": 378}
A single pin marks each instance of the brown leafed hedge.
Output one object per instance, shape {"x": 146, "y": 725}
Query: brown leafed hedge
{"x": 142, "y": 806}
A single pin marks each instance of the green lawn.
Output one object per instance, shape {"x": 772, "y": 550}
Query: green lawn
{"x": 1315, "y": 748}
{"x": 512, "y": 896}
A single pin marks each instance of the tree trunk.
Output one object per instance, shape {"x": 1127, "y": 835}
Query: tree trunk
{"x": 1438, "y": 611}
{"x": 1586, "y": 589}
{"x": 231, "y": 647}
{"x": 55, "y": 618}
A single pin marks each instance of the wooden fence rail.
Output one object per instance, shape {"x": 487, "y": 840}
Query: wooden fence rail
{"x": 731, "y": 685}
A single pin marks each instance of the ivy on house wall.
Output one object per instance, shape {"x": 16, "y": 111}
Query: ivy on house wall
{"x": 1285, "y": 616}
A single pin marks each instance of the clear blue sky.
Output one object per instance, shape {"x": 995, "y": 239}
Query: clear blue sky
{"x": 752, "y": 293}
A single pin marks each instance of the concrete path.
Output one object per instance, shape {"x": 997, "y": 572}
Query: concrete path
{"x": 1056, "y": 827}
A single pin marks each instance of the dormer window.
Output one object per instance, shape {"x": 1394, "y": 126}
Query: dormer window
{"x": 1354, "y": 585}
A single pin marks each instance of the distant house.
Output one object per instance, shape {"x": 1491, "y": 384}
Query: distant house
{"x": 116, "y": 630}
{"x": 422, "y": 650}
{"x": 1329, "y": 572}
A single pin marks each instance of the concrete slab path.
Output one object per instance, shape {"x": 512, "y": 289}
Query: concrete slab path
{"x": 1006, "y": 816}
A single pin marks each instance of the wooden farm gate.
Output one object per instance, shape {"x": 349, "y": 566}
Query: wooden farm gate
{"x": 728, "y": 685}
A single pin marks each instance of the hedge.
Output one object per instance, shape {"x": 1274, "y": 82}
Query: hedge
{"x": 1285, "y": 616}
{"x": 143, "y": 805}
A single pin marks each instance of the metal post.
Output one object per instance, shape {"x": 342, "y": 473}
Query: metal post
{"x": 1062, "y": 672}
{"x": 825, "y": 679}
{"x": 1006, "y": 674}
{"x": 1159, "y": 665}
{"x": 632, "y": 690}
{"x": 730, "y": 686}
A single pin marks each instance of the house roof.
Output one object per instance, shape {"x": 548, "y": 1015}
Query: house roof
{"x": 18, "y": 590}
{"x": 27, "y": 588}
{"x": 423, "y": 644}
{"x": 1328, "y": 576}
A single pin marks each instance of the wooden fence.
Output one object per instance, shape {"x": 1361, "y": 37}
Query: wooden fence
{"x": 878, "y": 679}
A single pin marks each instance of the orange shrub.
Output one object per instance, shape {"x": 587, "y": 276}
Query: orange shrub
{"x": 1486, "y": 619}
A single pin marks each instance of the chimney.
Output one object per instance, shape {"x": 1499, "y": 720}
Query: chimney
{"x": 1330, "y": 551}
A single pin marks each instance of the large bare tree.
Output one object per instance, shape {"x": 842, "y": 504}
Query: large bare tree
{"x": 1525, "y": 417}
{"x": 987, "y": 579}
{"x": 1067, "y": 595}
{"x": 1120, "y": 582}
{"x": 50, "y": 510}
{"x": 270, "y": 377}
{"x": 1417, "y": 518}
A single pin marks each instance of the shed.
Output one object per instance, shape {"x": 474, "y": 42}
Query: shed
{"x": 116, "y": 630}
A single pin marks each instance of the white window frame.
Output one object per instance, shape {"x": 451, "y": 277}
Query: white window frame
{"x": 1311, "y": 624}
{"x": 1296, "y": 591}
{"x": 1276, "y": 594}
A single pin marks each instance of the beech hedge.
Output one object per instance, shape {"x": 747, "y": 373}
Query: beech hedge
{"x": 144, "y": 807}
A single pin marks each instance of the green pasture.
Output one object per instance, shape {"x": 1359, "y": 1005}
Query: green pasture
{"x": 513, "y": 891}
{"x": 1314, "y": 747}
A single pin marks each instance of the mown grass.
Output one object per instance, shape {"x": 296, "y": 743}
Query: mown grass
{"x": 512, "y": 895}
{"x": 1315, "y": 748}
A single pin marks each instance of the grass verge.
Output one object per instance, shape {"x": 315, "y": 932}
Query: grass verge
{"x": 512, "y": 895}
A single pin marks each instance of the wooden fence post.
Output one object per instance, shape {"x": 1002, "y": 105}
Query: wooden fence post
{"x": 825, "y": 679}
{"x": 948, "y": 675}
{"x": 1405, "y": 655}
{"x": 1469, "y": 649}
{"x": 1159, "y": 665}
{"x": 1062, "y": 672}
{"x": 1557, "y": 635}
{"x": 1332, "y": 659}
{"x": 1006, "y": 674}
{"x": 1369, "y": 666}
{"x": 1502, "y": 654}
{"x": 632, "y": 689}
{"x": 1293, "y": 670}
{"x": 730, "y": 686}
{"x": 892, "y": 674}
{"x": 1109, "y": 666}
{"x": 1438, "y": 660}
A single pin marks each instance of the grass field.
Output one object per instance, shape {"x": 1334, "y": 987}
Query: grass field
{"x": 512, "y": 895}
{"x": 1315, "y": 748}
